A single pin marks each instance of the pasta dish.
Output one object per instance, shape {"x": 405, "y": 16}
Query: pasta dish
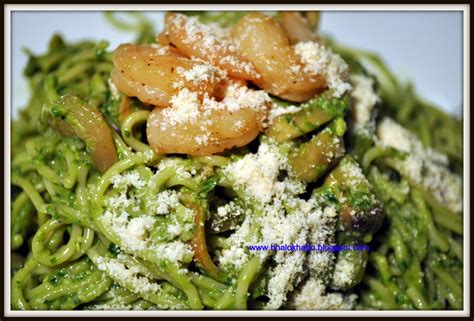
{"x": 234, "y": 160}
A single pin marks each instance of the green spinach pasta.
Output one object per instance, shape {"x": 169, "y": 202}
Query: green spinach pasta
{"x": 172, "y": 173}
{"x": 412, "y": 155}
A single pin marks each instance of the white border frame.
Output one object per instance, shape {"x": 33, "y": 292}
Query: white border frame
{"x": 283, "y": 313}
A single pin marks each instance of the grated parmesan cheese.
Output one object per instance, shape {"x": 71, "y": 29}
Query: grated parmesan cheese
{"x": 364, "y": 98}
{"x": 284, "y": 218}
{"x": 422, "y": 165}
{"x": 175, "y": 251}
{"x": 257, "y": 173}
{"x": 133, "y": 232}
{"x": 130, "y": 215}
{"x": 343, "y": 274}
{"x": 285, "y": 276}
{"x": 127, "y": 277}
{"x": 127, "y": 179}
{"x": 277, "y": 111}
{"x": 320, "y": 60}
{"x": 312, "y": 296}
{"x": 186, "y": 108}
{"x": 166, "y": 201}
{"x": 211, "y": 40}
{"x": 199, "y": 73}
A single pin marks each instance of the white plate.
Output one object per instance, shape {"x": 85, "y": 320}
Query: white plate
{"x": 425, "y": 47}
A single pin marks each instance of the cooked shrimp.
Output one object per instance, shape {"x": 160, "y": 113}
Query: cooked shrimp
{"x": 163, "y": 39}
{"x": 296, "y": 27}
{"x": 264, "y": 42}
{"x": 207, "y": 42}
{"x": 90, "y": 125}
{"x": 194, "y": 128}
{"x": 154, "y": 74}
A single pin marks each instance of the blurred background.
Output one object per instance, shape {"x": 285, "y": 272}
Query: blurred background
{"x": 425, "y": 47}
